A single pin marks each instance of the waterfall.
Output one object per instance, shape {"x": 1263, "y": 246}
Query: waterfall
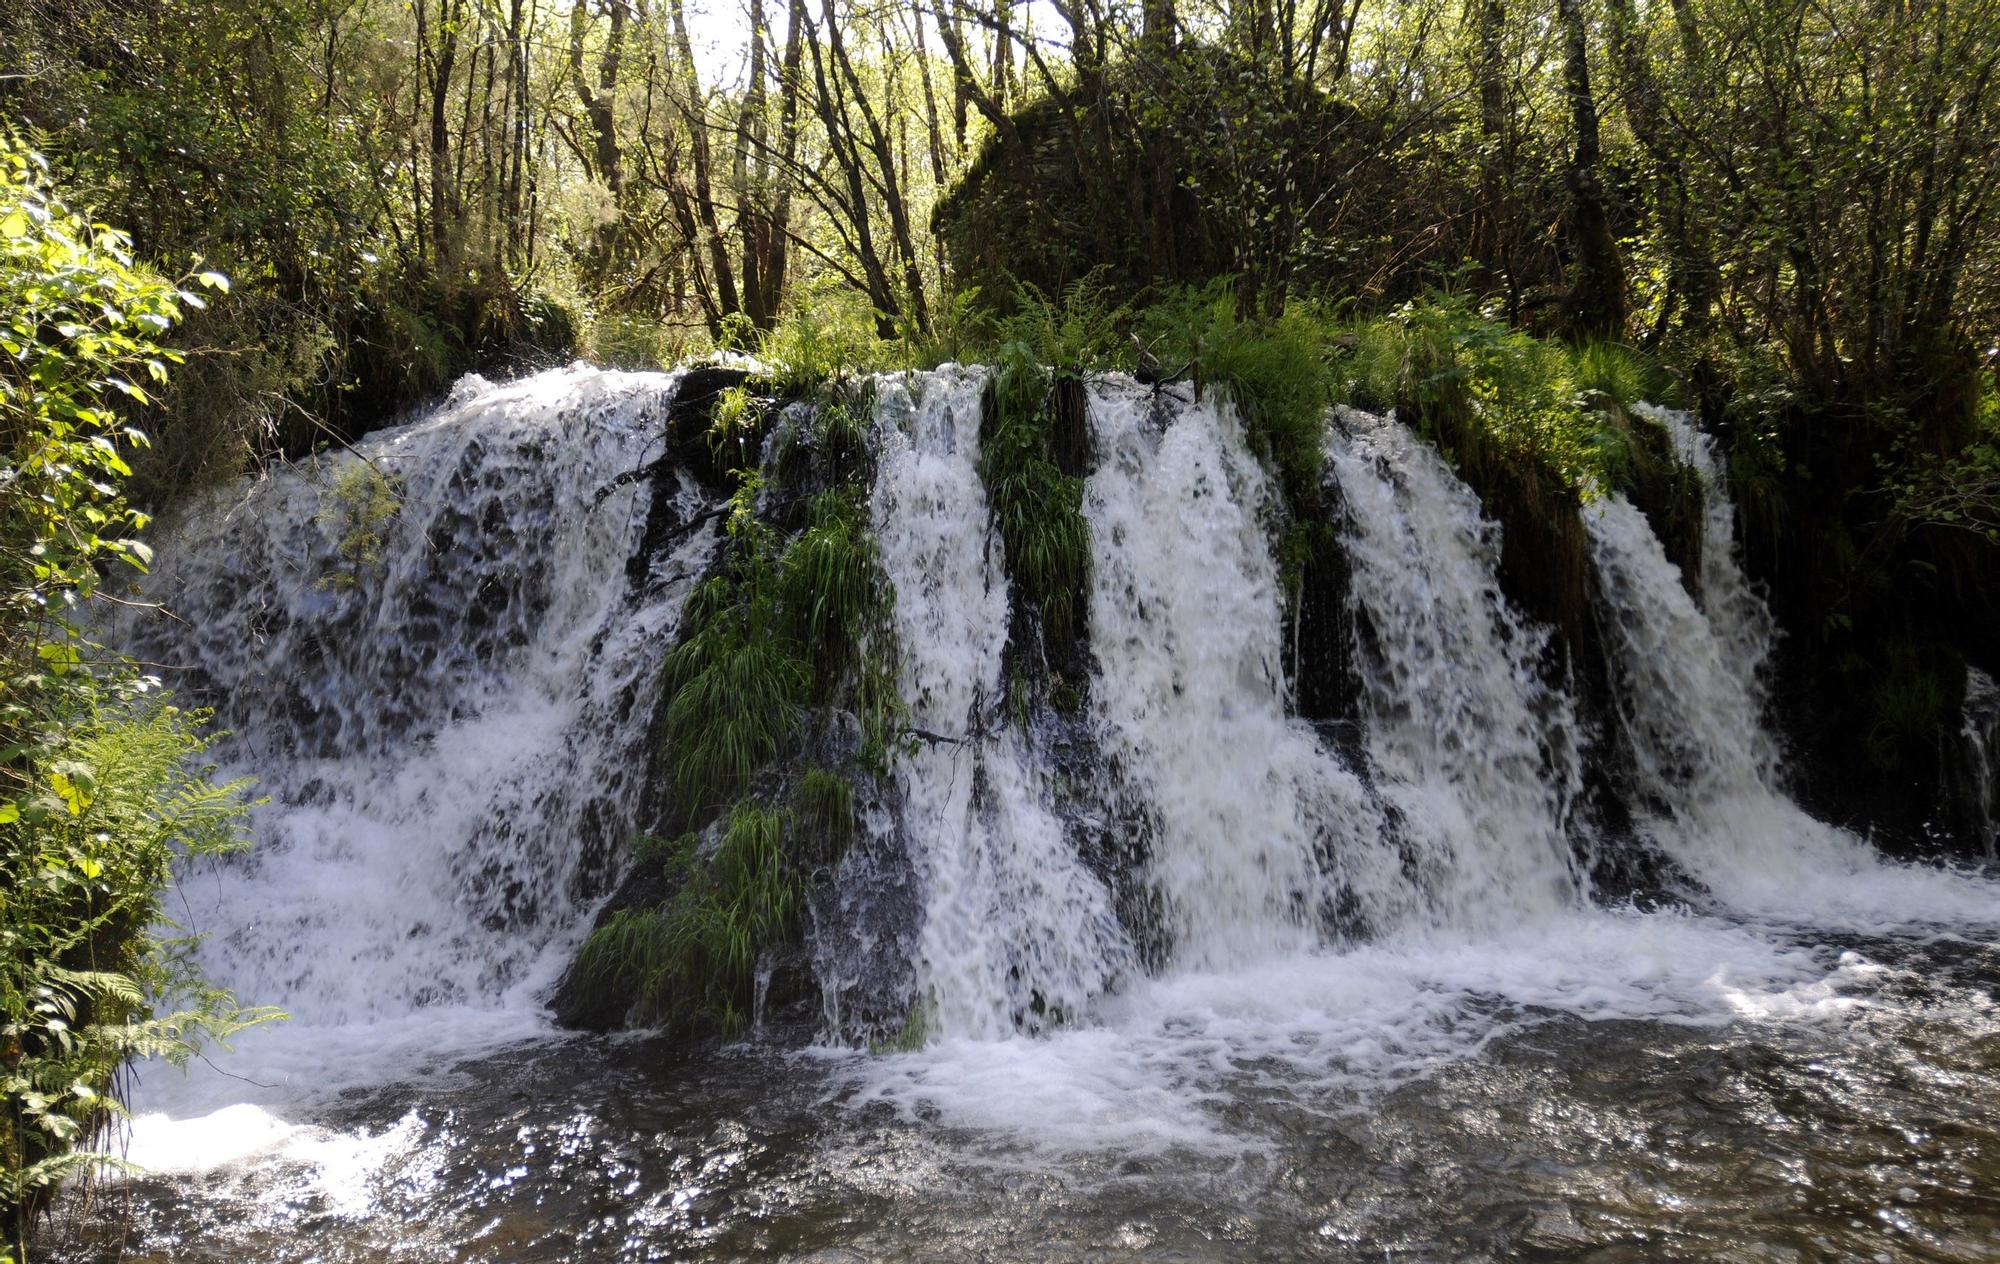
{"x": 1015, "y": 928}
{"x": 438, "y": 656}
{"x": 1736, "y": 611}
{"x": 1256, "y": 832}
{"x": 1332, "y": 931}
{"x": 1706, "y": 768}
{"x": 1979, "y": 727}
{"x": 429, "y": 654}
{"x": 1478, "y": 754}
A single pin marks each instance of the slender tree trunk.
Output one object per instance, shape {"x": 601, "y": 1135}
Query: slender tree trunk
{"x": 444, "y": 228}
{"x": 1597, "y": 297}
{"x": 704, "y": 183}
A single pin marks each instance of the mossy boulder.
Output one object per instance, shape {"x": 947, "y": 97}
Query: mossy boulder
{"x": 1139, "y": 174}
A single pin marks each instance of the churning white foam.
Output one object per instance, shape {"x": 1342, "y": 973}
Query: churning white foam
{"x": 1692, "y": 704}
{"x": 1181, "y": 1063}
{"x": 1013, "y": 923}
{"x": 431, "y": 656}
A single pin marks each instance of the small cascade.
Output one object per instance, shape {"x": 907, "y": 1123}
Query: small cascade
{"x": 1478, "y": 755}
{"x": 1736, "y": 610}
{"x": 429, "y": 654}
{"x": 1258, "y": 838}
{"x": 1706, "y": 768}
{"x": 1015, "y": 929}
{"x": 1980, "y": 729}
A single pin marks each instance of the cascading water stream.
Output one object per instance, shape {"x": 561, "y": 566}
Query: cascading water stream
{"x": 1979, "y": 727}
{"x": 453, "y": 742}
{"x": 429, "y": 654}
{"x": 1479, "y": 756}
{"x": 1255, "y": 830}
{"x": 1321, "y": 947}
{"x": 1691, "y": 702}
{"x": 1014, "y": 927}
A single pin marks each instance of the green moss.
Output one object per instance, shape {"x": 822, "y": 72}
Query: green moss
{"x": 693, "y": 959}
{"x": 832, "y": 588}
{"x": 1037, "y": 508}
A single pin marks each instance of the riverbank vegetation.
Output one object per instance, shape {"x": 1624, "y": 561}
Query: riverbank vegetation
{"x": 104, "y": 795}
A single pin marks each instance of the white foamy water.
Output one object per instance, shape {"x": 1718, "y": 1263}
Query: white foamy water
{"x": 1181, "y": 1063}
{"x": 1691, "y": 701}
{"x": 1477, "y": 753}
{"x": 449, "y": 724}
{"x": 452, "y": 734}
{"x": 1014, "y": 925}
{"x": 1480, "y": 924}
{"x": 1253, "y": 828}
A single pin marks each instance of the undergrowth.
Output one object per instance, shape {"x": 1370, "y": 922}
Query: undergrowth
{"x": 1037, "y": 507}
{"x": 1486, "y": 392}
{"x": 1277, "y": 372}
{"x": 783, "y": 635}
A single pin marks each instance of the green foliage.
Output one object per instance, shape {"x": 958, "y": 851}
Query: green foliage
{"x": 694, "y": 958}
{"x": 1613, "y": 377}
{"x": 1037, "y": 508}
{"x": 1910, "y": 706}
{"x": 824, "y": 803}
{"x": 1081, "y": 331}
{"x": 1275, "y": 370}
{"x": 738, "y": 684}
{"x": 831, "y": 586}
{"x": 357, "y": 509}
{"x": 828, "y": 336}
{"x": 101, "y": 793}
{"x": 1959, "y": 492}
{"x": 779, "y": 635}
{"x": 736, "y": 428}
{"x": 1489, "y": 392}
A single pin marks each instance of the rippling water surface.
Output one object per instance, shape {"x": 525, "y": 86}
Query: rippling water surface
{"x": 1868, "y": 1130}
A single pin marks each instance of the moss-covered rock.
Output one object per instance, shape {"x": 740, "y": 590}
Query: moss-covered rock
{"x": 1133, "y": 172}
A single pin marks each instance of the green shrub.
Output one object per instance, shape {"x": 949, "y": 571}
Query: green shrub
{"x": 1276, "y": 371}
{"x": 694, "y": 959}
{"x": 101, "y": 789}
{"x": 1613, "y": 377}
{"x": 1082, "y": 331}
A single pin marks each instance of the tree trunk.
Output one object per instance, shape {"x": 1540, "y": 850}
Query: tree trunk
{"x": 1597, "y": 296}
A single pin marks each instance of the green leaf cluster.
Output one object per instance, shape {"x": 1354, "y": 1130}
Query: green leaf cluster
{"x": 103, "y": 790}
